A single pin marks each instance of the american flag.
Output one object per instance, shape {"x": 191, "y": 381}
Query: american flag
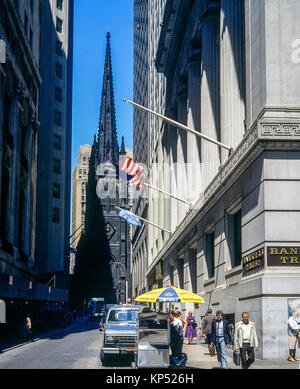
{"x": 135, "y": 172}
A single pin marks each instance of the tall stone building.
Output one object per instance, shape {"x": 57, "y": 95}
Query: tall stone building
{"x": 21, "y": 125}
{"x": 79, "y": 185}
{"x": 54, "y": 158}
{"x": 79, "y": 181}
{"x": 108, "y": 156}
{"x": 232, "y": 70}
{"x": 140, "y": 137}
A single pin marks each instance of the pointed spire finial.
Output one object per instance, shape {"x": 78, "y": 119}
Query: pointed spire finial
{"x": 123, "y": 151}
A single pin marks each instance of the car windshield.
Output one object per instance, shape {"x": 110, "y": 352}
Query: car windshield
{"x": 123, "y": 315}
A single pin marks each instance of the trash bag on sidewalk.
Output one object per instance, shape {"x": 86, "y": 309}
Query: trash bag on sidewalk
{"x": 179, "y": 361}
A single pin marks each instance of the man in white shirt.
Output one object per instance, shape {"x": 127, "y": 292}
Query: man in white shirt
{"x": 245, "y": 340}
{"x": 176, "y": 334}
{"x": 293, "y": 328}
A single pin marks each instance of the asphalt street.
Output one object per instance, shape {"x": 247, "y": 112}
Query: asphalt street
{"x": 74, "y": 348}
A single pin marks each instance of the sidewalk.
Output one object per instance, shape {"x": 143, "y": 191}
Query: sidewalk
{"x": 6, "y": 346}
{"x": 199, "y": 358}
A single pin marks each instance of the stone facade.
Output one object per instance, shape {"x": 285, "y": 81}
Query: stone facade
{"x": 231, "y": 74}
{"x": 54, "y": 158}
{"x": 20, "y": 86}
{"x": 79, "y": 183}
{"x": 140, "y": 137}
{"x": 80, "y": 176}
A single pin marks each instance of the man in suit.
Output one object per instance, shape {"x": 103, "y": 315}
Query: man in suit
{"x": 220, "y": 336}
{"x": 206, "y": 326}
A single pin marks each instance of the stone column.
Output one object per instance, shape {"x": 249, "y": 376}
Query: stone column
{"x": 172, "y": 173}
{"x": 33, "y": 186}
{"x": 193, "y": 121}
{"x": 15, "y": 169}
{"x": 28, "y": 194}
{"x": 210, "y": 117}
{"x": 232, "y": 73}
{"x": 181, "y": 171}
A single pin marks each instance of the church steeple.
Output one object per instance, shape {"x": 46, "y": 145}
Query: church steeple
{"x": 108, "y": 150}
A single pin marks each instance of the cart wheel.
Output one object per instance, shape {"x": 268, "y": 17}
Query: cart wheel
{"x": 133, "y": 365}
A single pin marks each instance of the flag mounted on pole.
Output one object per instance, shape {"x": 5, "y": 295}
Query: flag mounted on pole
{"x": 135, "y": 172}
{"x": 130, "y": 218}
{"x": 135, "y": 220}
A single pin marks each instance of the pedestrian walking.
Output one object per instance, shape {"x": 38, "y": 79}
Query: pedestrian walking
{"x": 184, "y": 322}
{"x": 176, "y": 334}
{"x": 245, "y": 340}
{"x": 201, "y": 334}
{"x": 27, "y": 325}
{"x": 220, "y": 336}
{"x": 190, "y": 331}
{"x": 206, "y": 327}
{"x": 293, "y": 335}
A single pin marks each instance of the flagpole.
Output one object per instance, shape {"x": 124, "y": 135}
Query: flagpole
{"x": 145, "y": 220}
{"x": 169, "y": 194}
{"x": 177, "y": 124}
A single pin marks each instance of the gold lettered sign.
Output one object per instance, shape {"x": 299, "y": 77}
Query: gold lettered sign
{"x": 253, "y": 262}
{"x": 283, "y": 256}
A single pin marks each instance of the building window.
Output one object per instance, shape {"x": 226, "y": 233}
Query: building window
{"x": 56, "y": 191}
{"x": 57, "y": 118}
{"x": 82, "y": 198}
{"x": 80, "y": 171}
{"x": 56, "y": 166}
{"x": 58, "y": 48}
{"x": 58, "y": 70}
{"x": 210, "y": 253}
{"x": 59, "y": 24}
{"x": 84, "y": 172}
{"x": 57, "y": 142}
{"x": 58, "y": 94}
{"x": 84, "y": 159}
{"x": 55, "y": 215}
{"x": 235, "y": 237}
{"x": 59, "y": 4}
{"x": 82, "y": 191}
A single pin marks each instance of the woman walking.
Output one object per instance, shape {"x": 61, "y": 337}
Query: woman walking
{"x": 191, "y": 332}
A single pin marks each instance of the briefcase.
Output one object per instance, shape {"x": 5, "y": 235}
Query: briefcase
{"x": 236, "y": 358}
{"x": 212, "y": 351}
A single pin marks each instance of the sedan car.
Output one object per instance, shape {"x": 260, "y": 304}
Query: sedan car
{"x": 120, "y": 332}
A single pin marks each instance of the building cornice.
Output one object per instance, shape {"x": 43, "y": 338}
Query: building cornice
{"x": 267, "y": 133}
{"x": 24, "y": 41}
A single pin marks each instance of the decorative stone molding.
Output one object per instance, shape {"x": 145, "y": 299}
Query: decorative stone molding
{"x": 278, "y": 128}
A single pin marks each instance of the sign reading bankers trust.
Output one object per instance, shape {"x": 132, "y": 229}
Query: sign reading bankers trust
{"x": 253, "y": 262}
{"x": 283, "y": 256}
{"x": 277, "y": 256}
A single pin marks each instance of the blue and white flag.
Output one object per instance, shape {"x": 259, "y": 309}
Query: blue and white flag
{"x": 130, "y": 218}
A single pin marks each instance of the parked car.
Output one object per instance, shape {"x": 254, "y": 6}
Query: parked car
{"x": 120, "y": 332}
{"x": 102, "y": 324}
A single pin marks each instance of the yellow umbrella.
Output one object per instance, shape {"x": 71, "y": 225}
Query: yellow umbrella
{"x": 169, "y": 294}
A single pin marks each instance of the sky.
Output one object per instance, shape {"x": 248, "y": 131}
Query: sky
{"x": 92, "y": 18}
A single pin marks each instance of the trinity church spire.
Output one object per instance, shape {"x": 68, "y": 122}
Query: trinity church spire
{"x": 108, "y": 150}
